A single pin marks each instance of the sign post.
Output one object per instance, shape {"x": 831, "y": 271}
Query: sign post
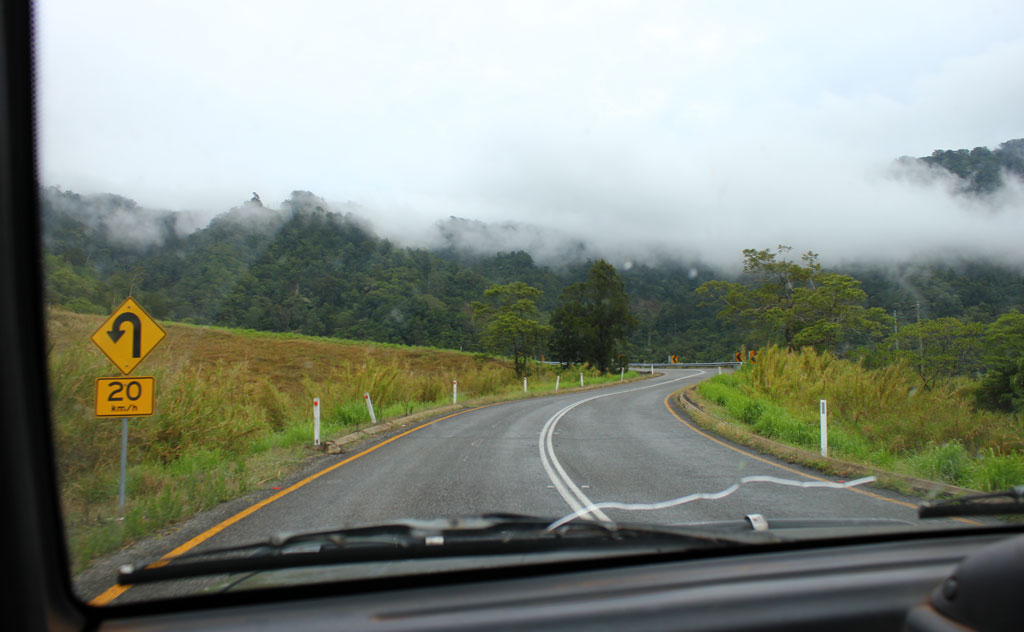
{"x": 126, "y": 396}
{"x": 124, "y": 464}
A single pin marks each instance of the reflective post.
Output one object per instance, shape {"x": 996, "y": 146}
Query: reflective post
{"x": 824, "y": 428}
{"x": 369, "y": 406}
{"x": 316, "y": 421}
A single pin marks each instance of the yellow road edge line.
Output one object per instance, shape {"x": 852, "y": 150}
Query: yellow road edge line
{"x": 789, "y": 469}
{"x": 117, "y": 590}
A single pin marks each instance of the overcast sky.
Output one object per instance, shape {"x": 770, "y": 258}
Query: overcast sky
{"x": 696, "y": 129}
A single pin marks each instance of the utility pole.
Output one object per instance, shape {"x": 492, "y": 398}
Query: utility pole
{"x": 920, "y": 341}
{"x": 895, "y": 329}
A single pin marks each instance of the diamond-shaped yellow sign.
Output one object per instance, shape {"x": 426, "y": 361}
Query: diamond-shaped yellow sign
{"x": 128, "y": 336}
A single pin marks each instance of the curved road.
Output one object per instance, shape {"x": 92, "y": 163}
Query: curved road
{"x": 546, "y": 456}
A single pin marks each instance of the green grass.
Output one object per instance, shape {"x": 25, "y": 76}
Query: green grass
{"x": 881, "y": 418}
{"x": 234, "y": 412}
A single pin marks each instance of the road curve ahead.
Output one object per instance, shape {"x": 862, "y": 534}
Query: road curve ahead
{"x": 550, "y": 456}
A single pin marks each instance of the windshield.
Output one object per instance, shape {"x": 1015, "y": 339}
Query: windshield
{"x": 515, "y": 282}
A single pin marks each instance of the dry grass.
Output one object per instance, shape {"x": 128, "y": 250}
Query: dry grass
{"x": 881, "y": 417}
{"x": 233, "y": 411}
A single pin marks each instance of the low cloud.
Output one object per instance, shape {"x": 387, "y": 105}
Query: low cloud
{"x": 639, "y": 130}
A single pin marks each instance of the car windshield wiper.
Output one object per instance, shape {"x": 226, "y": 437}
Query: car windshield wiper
{"x": 488, "y": 534}
{"x": 1010, "y": 501}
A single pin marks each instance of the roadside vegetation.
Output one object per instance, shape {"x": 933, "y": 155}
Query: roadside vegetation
{"x": 234, "y": 414}
{"x": 881, "y": 417}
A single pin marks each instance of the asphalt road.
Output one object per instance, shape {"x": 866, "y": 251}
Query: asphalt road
{"x": 546, "y": 456}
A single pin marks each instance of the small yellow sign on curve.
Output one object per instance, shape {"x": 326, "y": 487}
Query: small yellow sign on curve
{"x": 128, "y": 335}
{"x": 125, "y": 396}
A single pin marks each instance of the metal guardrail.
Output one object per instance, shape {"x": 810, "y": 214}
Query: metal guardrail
{"x": 681, "y": 365}
{"x": 669, "y": 365}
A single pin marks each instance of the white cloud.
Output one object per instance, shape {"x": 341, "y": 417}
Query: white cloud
{"x": 643, "y": 127}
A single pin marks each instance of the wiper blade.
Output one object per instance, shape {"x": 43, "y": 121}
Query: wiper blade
{"x": 489, "y": 534}
{"x": 1010, "y": 501}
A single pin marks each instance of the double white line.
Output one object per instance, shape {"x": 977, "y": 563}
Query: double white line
{"x": 566, "y": 488}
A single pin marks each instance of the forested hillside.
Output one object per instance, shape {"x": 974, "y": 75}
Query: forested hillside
{"x": 981, "y": 169}
{"x": 313, "y": 269}
{"x": 308, "y": 269}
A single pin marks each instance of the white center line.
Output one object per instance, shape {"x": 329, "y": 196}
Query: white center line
{"x": 566, "y": 488}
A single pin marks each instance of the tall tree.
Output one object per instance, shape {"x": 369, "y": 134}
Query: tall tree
{"x": 594, "y": 319}
{"x": 940, "y": 348}
{"x": 510, "y": 321}
{"x": 797, "y": 305}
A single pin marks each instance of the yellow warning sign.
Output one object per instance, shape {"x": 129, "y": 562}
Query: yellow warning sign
{"x": 128, "y": 335}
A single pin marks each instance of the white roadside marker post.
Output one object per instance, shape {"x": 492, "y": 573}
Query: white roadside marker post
{"x": 369, "y": 406}
{"x": 622, "y": 373}
{"x": 316, "y": 421}
{"x": 557, "y": 379}
{"x": 524, "y": 384}
{"x": 824, "y": 428}
{"x": 455, "y": 391}
{"x": 581, "y": 379}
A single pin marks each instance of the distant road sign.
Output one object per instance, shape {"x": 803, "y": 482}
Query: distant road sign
{"x": 126, "y": 351}
{"x": 739, "y": 356}
{"x": 752, "y": 354}
{"x": 125, "y": 396}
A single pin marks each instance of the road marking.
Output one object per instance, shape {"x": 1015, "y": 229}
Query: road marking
{"x": 117, "y": 590}
{"x": 728, "y": 491}
{"x": 789, "y": 469}
{"x": 566, "y": 488}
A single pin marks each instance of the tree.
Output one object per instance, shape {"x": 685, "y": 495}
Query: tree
{"x": 1002, "y": 388}
{"x": 765, "y": 300}
{"x": 510, "y": 322}
{"x": 796, "y": 305}
{"x": 831, "y": 315}
{"x": 941, "y": 348}
{"x": 1004, "y": 339}
{"x": 594, "y": 319}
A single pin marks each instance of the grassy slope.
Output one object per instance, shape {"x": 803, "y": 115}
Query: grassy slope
{"x": 233, "y": 412}
{"x": 880, "y": 418}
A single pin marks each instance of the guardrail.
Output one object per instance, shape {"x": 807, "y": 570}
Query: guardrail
{"x": 668, "y": 365}
{"x": 681, "y": 365}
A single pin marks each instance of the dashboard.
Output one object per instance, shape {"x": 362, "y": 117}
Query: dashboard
{"x": 857, "y": 586}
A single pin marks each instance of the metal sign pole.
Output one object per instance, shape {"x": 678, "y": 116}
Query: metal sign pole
{"x": 124, "y": 462}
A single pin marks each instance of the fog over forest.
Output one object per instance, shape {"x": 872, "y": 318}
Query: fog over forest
{"x": 640, "y": 130}
{"x": 976, "y": 205}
